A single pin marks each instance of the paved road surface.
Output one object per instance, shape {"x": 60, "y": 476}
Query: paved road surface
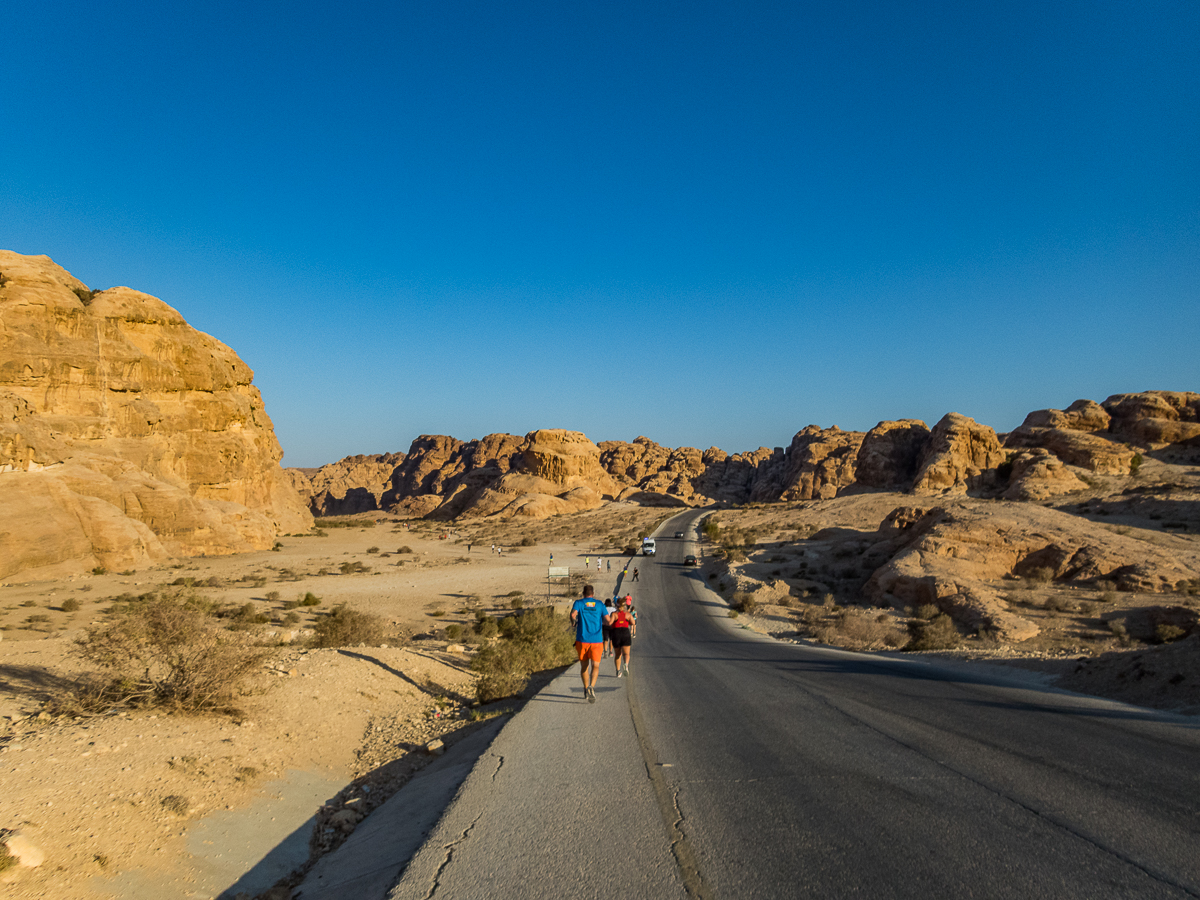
{"x": 780, "y": 770}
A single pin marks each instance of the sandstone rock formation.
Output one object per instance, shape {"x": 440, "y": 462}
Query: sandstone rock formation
{"x": 890, "y": 454}
{"x": 1156, "y": 417}
{"x": 125, "y": 434}
{"x": 818, "y": 463}
{"x": 953, "y": 556}
{"x": 961, "y": 455}
{"x": 1039, "y": 474}
{"x": 351, "y": 485}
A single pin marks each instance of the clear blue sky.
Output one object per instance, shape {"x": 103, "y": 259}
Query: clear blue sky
{"x": 709, "y": 223}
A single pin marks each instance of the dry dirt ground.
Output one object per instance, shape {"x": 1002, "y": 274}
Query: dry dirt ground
{"x": 106, "y": 795}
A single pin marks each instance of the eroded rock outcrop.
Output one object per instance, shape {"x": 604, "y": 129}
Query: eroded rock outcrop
{"x": 1156, "y": 417}
{"x": 351, "y": 485}
{"x": 891, "y": 453}
{"x": 954, "y": 556}
{"x": 125, "y": 434}
{"x": 961, "y": 456}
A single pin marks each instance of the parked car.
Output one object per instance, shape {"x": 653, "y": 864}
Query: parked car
{"x": 690, "y": 561}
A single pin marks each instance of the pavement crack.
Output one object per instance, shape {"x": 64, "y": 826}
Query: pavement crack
{"x": 450, "y": 848}
{"x": 499, "y": 766}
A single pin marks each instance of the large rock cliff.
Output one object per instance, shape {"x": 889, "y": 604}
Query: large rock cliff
{"x": 126, "y": 435}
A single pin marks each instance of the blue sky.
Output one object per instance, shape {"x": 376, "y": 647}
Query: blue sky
{"x": 708, "y": 223}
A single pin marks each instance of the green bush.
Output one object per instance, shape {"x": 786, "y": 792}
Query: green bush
{"x": 539, "y": 640}
{"x": 453, "y": 632}
{"x": 345, "y": 627}
{"x": 1167, "y": 633}
{"x": 310, "y": 599}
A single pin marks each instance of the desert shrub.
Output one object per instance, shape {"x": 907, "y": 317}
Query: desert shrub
{"x": 744, "y": 602}
{"x": 353, "y": 568}
{"x": 486, "y": 629}
{"x": 527, "y": 542}
{"x": 310, "y": 599}
{"x": 372, "y": 549}
{"x": 860, "y": 631}
{"x": 291, "y": 618}
{"x": 1108, "y": 597}
{"x": 176, "y": 804}
{"x": 273, "y": 596}
{"x": 1058, "y": 604}
{"x": 1167, "y": 633}
{"x": 345, "y": 627}
{"x": 168, "y": 651}
{"x": 99, "y": 570}
{"x": 1040, "y": 575}
{"x": 1118, "y": 628}
{"x": 453, "y": 632}
{"x": 7, "y": 860}
{"x": 246, "y": 615}
{"x": 404, "y": 549}
{"x": 517, "y": 603}
{"x": 539, "y": 640}
{"x": 938, "y": 633}
{"x": 277, "y": 547}
{"x": 1135, "y": 463}
{"x": 183, "y": 581}
{"x": 70, "y": 605}
{"x": 438, "y": 613}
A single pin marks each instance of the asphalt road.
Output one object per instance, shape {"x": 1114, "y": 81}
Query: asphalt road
{"x": 734, "y": 766}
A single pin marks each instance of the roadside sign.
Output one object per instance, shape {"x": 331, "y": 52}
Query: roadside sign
{"x": 559, "y": 572}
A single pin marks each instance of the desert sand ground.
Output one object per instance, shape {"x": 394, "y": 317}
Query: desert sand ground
{"x": 111, "y": 800}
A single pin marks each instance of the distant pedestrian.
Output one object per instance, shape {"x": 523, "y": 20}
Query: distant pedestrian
{"x": 608, "y": 564}
{"x": 635, "y": 574}
{"x": 587, "y": 562}
{"x": 622, "y": 636}
{"x": 468, "y": 548}
{"x": 589, "y": 617}
{"x": 493, "y": 548}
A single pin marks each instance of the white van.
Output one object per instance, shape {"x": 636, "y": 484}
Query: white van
{"x": 647, "y": 546}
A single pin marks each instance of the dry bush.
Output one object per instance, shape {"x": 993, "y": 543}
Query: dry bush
{"x": 860, "y": 631}
{"x": 539, "y": 640}
{"x": 744, "y": 602}
{"x": 166, "y": 651}
{"x": 927, "y": 611}
{"x": 938, "y": 633}
{"x": 346, "y": 627}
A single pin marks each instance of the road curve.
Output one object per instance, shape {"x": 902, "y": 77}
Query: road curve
{"x": 800, "y": 771}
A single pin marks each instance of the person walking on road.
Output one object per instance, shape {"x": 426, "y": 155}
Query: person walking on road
{"x": 622, "y": 637}
{"x": 635, "y": 574}
{"x": 609, "y": 609}
{"x": 589, "y": 617}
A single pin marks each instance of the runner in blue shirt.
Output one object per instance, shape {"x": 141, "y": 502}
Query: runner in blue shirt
{"x": 589, "y": 616}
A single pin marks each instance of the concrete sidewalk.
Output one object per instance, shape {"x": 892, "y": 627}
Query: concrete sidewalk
{"x": 561, "y": 805}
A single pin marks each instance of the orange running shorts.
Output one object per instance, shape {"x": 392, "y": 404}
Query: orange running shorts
{"x": 594, "y": 652}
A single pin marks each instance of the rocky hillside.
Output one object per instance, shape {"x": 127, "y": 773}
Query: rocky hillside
{"x": 125, "y": 435}
{"x": 1053, "y": 452}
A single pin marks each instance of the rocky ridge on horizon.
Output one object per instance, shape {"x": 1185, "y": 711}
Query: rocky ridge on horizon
{"x": 126, "y": 435}
{"x": 1051, "y": 453}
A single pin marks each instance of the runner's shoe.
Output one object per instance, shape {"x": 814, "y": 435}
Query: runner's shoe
{"x": 591, "y": 695}
{"x": 618, "y": 673}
